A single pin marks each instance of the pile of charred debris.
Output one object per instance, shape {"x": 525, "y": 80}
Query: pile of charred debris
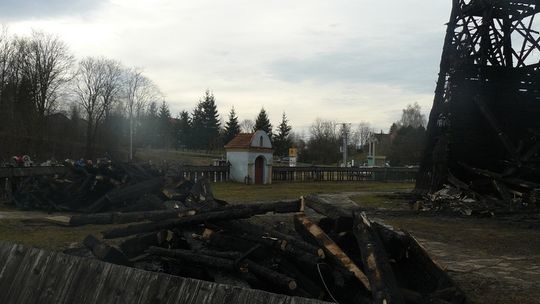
{"x": 109, "y": 186}
{"x": 307, "y": 247}
{"x": 480, "y": 192}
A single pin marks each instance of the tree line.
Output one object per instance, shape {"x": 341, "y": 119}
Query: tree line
{"x": 201, "y": 129}
{"x": 323, "y": 145}
{"x": 54, "y": 105}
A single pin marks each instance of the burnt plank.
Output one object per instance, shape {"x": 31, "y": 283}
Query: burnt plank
{"x": 310, "y": 230}
{"x": 383, "y": 284}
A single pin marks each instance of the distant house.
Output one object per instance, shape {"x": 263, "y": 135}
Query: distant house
{"x": 250, "y": 156}
{"x": 378, "y": 148}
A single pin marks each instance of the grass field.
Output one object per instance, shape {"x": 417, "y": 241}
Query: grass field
{"x": 236, "y": 192}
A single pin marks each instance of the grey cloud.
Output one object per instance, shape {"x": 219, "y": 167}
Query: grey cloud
{"x": 410, "y": 63}
{"x": 11, "y": 10}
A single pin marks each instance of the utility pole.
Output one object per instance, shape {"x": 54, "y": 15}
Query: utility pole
{"x": 345, "y": 134}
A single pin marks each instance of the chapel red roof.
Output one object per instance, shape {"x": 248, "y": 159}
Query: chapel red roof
{"x": 242, "y": 140}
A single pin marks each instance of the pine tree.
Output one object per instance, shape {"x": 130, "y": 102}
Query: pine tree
{"x": 232, "y": 127}
{"x": 197, "y": 127}
{"x": 183, "y": 130}
{"x": 165, "y": 127}
{"x": 263, "y": 123}
{"x": 211, "y": 120}
{"x": 205, "y": 123}
{"x": 282, "y": 141}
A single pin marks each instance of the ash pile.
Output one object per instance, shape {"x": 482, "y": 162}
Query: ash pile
{"x": 279, "y": 247}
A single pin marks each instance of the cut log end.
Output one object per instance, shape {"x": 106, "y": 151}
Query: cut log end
{"x": 292, "y": 285}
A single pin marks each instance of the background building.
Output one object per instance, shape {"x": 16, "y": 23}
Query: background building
{"x": 250, "y": 156}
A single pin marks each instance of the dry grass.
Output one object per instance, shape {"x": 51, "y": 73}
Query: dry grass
{"x": 44, "y": 235}
{"x": 236, "y": 192}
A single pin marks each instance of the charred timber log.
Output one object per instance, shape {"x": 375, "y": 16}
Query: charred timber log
{"x": 341, "y": 219}
{"x": 185, "y": 269}
{"x": 259, "y": 248}
{"x": 126, "y": 217}
{"x": 284, "y": 239}
{"x": 247, "y": 265}
{"x": 311, "y": 231}
{"x": 217, "y": 214}
{"x": 383, "y": 284}
{"x": 193, "y": 257}
{"x": 120, "y": 195}
{"x": 135, "y": 246}
{"x": 231, "y": 255}
{"x": 269, "y": 275}
{"x": 105, "y": 252}
{"x": 305, "y": 282}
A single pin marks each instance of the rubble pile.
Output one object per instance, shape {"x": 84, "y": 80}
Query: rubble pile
{"x": 106, "y": 187}
{"x": 485, "y": 193}
{"x": 344, "y": 257}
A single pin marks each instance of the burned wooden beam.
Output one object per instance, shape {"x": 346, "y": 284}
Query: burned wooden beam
{"x": 341, "y": 218}
{"x": 193, "y": 257}
{"x": 325, "y": 207}
{"x": 285, "y": 241}
{"x": 269, "y": 275}
{"x": 310, "y": 230}
{"x": 129, "y": 217}
{"x": 305, "y": 282}
{"x": 105, "y": 252}
{"x": 217, "y": 214}
{"x": 128, "y": 192}
{"x": 383, "y": 283}
{"x": 135, "y": 246}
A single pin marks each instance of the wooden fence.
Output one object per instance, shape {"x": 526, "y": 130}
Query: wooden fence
{"x": 319, "y": 174}
{"x": 279, "y": 174}
{"x": 213, "y": 173}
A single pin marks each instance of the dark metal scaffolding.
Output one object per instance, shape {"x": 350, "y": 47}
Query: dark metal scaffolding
{"x": 486, "y": 110}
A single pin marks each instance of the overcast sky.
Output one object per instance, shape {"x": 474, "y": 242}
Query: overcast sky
{"x": 345, "y": 60}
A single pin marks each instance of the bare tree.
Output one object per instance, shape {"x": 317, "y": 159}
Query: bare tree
{"x": 97, "y": 87}
{"x": 47, "y": 64}
{"x": 324, "y": 142}
{"x": 362, "y": 134}
{"x": 247, "y": 125}
{"x": 412, "y": 116}
{"x": 5, "y": 54}
{"x": 324, "y": 130}
{"x": 139, "y": 91}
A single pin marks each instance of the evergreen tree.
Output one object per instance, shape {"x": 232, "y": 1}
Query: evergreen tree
{"x": 263, "y": 123}
{"x": 183, "y": 130}
{"x": 282, "y": 141}
{"x": 165, "y": 127}
{"x": 232, "y": 127}
{"x": 197, "y": 127}
{"x": 211, "y": 122}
